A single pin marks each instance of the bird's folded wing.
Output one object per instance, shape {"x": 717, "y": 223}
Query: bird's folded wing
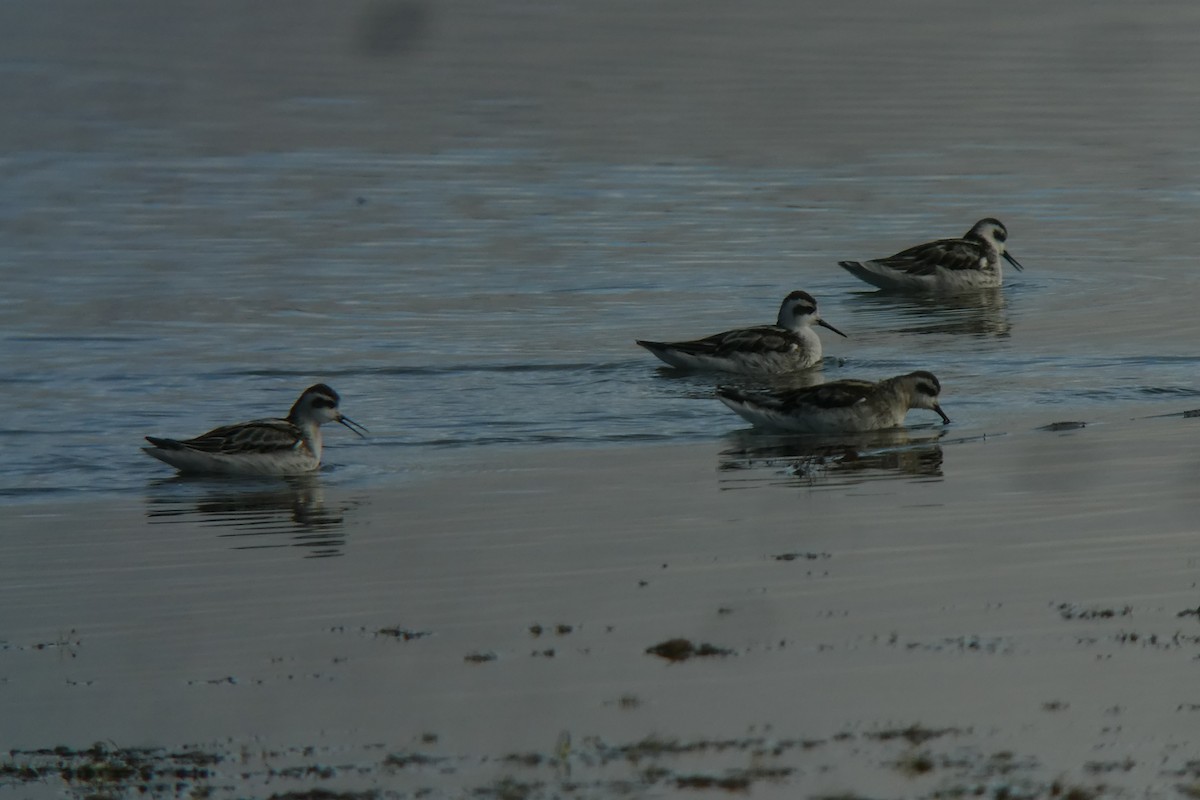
{"x": 763, "y": 339}
{"x": 260, "y": 436}
{"x": 839, "y": 394}
{"x": 925, "y": 259}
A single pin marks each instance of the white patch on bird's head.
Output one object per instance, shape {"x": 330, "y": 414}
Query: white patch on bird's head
{"x": 924, "y": 388}
{"x": 925, "y": 384}
{"x": 990, "y": 230}
{"x": 318, "y": 404}
{"x": 799, "y": 309}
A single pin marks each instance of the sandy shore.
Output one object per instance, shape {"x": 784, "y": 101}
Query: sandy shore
{"x": 1018, "y": 613}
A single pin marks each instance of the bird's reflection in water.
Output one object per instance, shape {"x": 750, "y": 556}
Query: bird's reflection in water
{"x": 755, "y": 457}
{"x": 980, "y": 313}
{"x": 256, "y": 513}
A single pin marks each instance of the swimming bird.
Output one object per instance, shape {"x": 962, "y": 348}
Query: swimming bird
{"x": 846, "y": 406}
{"x": 788, "y": 345}
{"x": 944, "y": 266}
{"x": 262, "y": 447}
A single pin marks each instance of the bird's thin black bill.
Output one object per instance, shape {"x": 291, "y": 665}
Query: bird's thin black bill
{"x": 1013, "y": 261}
{"x": 825, "y": 324}
{"x": 354, "y": 426}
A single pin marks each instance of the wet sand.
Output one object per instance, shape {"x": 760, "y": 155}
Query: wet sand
{"x": 1020, "y": 616}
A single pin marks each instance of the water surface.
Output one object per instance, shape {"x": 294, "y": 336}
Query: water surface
{"x": 461, "y": 217}
{"x": 492, "y": 298}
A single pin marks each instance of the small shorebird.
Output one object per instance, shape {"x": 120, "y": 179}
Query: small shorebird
{"x": 847, "y": 406}
{"x": 788, "y": 345}
{"x": 263, "y": 447}
{"x": 947, "y": 265}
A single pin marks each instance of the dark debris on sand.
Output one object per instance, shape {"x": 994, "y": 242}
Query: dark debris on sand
{"x": 683, "y": 649}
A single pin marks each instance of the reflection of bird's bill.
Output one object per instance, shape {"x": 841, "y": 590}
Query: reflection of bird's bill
{"x": 1013, "y": 261}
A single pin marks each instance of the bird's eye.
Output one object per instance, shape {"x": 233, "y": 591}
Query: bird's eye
{"x": 323, "y": 402}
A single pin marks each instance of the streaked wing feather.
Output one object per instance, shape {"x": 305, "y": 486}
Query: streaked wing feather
{"x": 839, "y": 394}
{"x": 924, "y": 259}
{"x": 259, "y": 436}
{"x": 762, "y": 339}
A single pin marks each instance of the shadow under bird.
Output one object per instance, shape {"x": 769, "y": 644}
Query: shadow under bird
{"x": 944, "y": 266}
{"x": 789, "y": 345}
{"x": 846, "y": 406}
{"x": 287, "y": 446}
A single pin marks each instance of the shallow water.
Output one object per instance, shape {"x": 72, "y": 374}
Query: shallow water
{"x": 463, "y": 234}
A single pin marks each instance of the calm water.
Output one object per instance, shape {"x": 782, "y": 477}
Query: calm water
{"x": 461, "y": 217}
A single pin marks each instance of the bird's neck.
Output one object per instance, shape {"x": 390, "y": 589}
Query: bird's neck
{"x": 311, "y": 431}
